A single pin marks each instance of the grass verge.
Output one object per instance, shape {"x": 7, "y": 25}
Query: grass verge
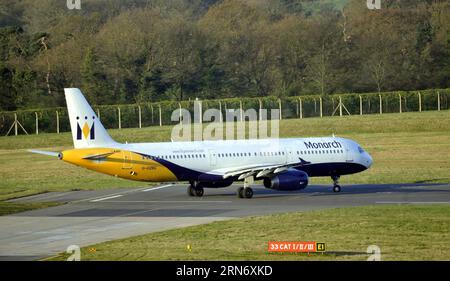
{"x": 7, "y": 208}
{"x": 403, "y": 232}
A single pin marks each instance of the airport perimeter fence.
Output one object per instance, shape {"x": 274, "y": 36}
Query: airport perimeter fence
{"x": 53, "y": 120}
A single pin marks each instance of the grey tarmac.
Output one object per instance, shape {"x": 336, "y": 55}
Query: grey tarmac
{"x": 90, "y": 217}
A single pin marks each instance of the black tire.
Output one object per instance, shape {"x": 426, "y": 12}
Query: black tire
{"x": 248, "y": 192}
{"x": 240, "y": 192}
{"x": 337, "y": 188}
{"x": 199, "y": 192}
{"x": 190, "y": 191}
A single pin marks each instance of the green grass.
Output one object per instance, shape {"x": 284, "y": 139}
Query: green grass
{"x": 403, "y": 232}
{"x": 407, "y": 148}
{"x": 7, "y": 208}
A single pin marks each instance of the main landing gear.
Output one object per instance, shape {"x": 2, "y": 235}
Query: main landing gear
{"x": 246, "y": 191}
{"x": 336, "y": 186}
{"x": 195, "y": 190}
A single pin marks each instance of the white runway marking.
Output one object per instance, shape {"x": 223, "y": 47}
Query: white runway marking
{"x": 156, "y": 188}
{"x": 106, "y": 198}
{"x": 121, "y": 193}
{"x": 164, "y": 201}
{"x": 406, "y": 202}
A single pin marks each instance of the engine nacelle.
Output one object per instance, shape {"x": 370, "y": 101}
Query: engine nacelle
{"x": 290, "y": 180}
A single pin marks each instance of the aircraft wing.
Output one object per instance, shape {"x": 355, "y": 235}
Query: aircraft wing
{"x": 260, "y": 170}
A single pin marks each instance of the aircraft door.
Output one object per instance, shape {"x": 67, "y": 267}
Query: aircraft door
{"x": 212, "y": 158}
{"x": 348, "y": 154}
{"x": 288, "y": 154}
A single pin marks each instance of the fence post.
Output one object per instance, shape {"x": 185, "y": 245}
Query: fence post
{"x": 439, "y": 101}
{"x": 360, "y": 105}
{"x": 120, "y": 118}
{"x": 57, "y": 122}
{"x": 241, "y": 111}
{"x": 381, "y": 105}
{"x": 37, "y": 123}
{"x": 220, "y": 109}
{"x": 160, "y": 116}
{"x": 420, "y": 102}
{"x": 179, "y": 114}
{"x": 16, "y": 131}
{"x": 400, "y": 102}
{"x": 279, "y": 106}
{"x": 340, "y": 106}
{"x": 153, "y": 120}
{"x": 140, "y": 117}
{"x": 300, "y": 105}
{"x": 260, "y": 109}
{"x": 320, "y": 101}
{"x": 201, "y": 112}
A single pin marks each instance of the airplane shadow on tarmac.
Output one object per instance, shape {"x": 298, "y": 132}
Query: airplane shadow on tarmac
{"x": 324, "y": 190}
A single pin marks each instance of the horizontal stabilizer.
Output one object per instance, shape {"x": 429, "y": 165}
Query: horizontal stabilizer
{"x": 99, "y": 156}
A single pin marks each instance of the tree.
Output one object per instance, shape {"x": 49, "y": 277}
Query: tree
{"x": 182, "y": 49}
{"x": 92, "y": 79}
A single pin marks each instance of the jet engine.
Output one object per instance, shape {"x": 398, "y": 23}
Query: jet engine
{"x": 290, "y": 180}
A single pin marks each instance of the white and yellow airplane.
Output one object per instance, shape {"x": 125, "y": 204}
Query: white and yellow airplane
{"x": 282, "y": 164}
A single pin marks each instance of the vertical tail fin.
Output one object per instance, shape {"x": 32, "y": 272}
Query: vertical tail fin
{"x": 87, "y": 131}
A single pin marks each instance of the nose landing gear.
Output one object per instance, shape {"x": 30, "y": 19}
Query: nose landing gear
{"x": 336, "y": 186}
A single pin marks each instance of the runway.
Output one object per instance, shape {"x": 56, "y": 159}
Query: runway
{"x": 91, "y": 217}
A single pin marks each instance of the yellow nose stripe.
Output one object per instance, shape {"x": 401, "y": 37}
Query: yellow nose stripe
{"x": 86, "y": 130}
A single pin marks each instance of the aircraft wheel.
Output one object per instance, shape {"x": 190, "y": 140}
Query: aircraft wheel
{"x": 190, "y": 191}
{"x": 337, "y": 188}
{"x": 199, "y": 192}
{"x": 248, "y": 192}
{"x": 240, "y": 192}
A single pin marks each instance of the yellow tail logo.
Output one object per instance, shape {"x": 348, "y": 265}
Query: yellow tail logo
{"x": 86, "y": 132}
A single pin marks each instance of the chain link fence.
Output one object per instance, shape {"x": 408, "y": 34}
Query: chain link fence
{"x": 55, "y": 120}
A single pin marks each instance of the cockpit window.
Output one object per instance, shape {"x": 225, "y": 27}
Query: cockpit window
{"x": 360, "y": 149}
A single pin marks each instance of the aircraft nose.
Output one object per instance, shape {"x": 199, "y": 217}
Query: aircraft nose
{"x": 368, "y": 160}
